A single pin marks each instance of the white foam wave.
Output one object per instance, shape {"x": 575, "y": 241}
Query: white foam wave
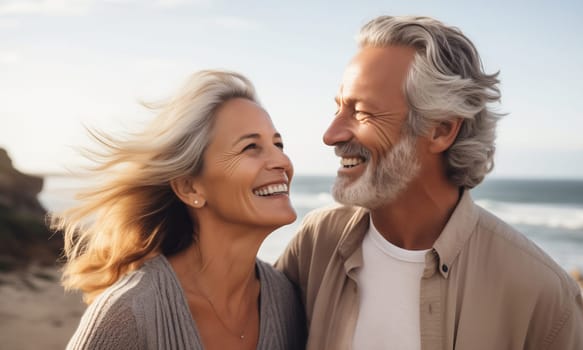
{"x": 312, "y": 201}
{"x": 553, "y": 216}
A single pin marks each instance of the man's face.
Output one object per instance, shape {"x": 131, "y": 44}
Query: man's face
{"x": 377, "y": 159}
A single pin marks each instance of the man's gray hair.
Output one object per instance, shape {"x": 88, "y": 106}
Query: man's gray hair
{"x": 445, "y": 81}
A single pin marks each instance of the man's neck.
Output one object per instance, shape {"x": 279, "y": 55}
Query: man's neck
{"x": 416, "y": 218}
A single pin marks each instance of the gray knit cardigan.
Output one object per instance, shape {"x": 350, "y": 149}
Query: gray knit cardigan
{"x": 147, "y": 309}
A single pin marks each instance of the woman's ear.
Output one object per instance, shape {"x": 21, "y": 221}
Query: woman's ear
{"x": 185, "y": 189}
{"x": 444, "y": 134}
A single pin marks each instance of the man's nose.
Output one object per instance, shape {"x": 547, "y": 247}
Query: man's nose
{"x": 338, "y": 131}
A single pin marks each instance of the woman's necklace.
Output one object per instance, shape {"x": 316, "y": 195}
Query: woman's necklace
{"x": 240, "y": 335}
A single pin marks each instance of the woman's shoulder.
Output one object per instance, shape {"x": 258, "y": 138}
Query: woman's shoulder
{"x": 139, "y": 284}
{"x": 109, "y": 321}
{"x": 123, "y": 292}
{"x": 116, "y": 315}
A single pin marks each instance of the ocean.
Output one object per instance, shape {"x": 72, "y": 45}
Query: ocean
{"x": 549, "y": 212}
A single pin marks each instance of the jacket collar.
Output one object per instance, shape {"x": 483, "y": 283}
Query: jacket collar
{"x": 456, "y": 233}
{"x": 446, "y": 248}
{"x": 350, "y": 245}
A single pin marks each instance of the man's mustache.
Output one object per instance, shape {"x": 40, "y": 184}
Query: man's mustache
{"x": 351, "y": 149}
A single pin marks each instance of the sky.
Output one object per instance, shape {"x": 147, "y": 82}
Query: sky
{"x": 70, "y": 64}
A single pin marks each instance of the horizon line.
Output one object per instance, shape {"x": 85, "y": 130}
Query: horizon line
{"x": 330, "y": 175}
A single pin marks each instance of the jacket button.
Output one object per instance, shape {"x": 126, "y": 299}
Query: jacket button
{"x": 444, "y": 268}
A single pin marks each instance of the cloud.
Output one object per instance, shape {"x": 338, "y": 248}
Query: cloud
{"x": 120, "y": 1}
{"x": 9, "y": 57}
{"x": 46, "y": 7}
{"x": 82, "y": 7}
{"x": 231, "y": 22}
{"x": 9, "y": 23}
{"x": 173, "y": 4}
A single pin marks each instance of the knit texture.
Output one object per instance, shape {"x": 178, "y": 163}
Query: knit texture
{"x": 147, "y": 309}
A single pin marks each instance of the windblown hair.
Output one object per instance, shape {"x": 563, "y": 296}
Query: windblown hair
{"x": 446, "y": 81}
{"x": 133, "y": 212}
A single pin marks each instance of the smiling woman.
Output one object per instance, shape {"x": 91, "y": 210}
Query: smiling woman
{"x": 246, "y": 181}
{"x": 165, "y": 248}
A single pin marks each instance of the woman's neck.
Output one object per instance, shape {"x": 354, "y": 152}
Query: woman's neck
{"x": 220, "y": 265}
{"x": 217, "y": 275}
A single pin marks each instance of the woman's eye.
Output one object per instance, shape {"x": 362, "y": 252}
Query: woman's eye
{"x": 250, "y": 146}
{"x": 279, "y": 145}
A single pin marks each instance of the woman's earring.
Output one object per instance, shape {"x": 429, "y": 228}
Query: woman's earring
{"x": 196, "y": 202}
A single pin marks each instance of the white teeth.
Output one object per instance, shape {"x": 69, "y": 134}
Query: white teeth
{"x": 350, "y": 162}
{"x": 270, "y": 190}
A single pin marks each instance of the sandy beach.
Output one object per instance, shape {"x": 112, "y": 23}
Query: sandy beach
{"x": 35, "y": 312}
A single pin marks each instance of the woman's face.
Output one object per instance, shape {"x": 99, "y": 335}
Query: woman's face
{"x": 246, "y": 175}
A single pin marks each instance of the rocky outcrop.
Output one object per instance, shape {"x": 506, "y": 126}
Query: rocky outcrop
{"x": 24, "y": 237}
{"x": 19, "y": 191}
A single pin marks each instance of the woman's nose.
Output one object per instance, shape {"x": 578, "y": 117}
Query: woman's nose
{"x": 279, "y": 160}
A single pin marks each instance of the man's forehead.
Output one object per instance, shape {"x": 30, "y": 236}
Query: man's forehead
{"x": 375, "y": 69}
{"x": 381, "y": 62}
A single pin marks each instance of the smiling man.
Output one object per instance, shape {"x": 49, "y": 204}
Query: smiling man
{"x": 409, "y": 261}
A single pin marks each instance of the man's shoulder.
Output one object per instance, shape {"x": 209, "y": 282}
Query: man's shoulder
{"x": 520, "y": 258}
{"x": 319, "y": 236}
{"x": 335, "y": 217}
{"x": 326, "y": 227}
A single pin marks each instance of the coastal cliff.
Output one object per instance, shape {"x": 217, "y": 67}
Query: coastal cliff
{"x": 24, "y": 237}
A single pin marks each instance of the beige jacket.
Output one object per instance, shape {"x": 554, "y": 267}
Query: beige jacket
{"x": 485, "y": 286}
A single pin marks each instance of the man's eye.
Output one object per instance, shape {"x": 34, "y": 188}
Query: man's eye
{"x": 361, "y": 116}
{"x": 250, "y": 146}
{"x": 279, "y": 145}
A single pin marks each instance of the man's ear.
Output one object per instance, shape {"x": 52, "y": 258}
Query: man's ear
{"x": 185, "y": 189}
{"x": 443, "y": 135}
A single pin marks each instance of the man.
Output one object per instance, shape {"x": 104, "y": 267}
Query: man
{"x": 410, "y": 262}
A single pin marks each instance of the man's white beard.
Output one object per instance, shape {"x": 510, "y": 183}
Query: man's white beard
{"x": 380, "y": 184}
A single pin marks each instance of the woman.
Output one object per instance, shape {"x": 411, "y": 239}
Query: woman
{"x": 165, "y": 248}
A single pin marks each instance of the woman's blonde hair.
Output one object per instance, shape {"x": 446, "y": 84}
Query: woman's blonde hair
{"x": 133, "y": 212}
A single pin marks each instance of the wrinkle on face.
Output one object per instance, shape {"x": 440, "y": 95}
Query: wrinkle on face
{"x": 228, "y": 162}
{"x": 238, "y": 159}
{"x": 379, "y": 130}
{"x": 374, "y": 108}
{"x": 373, "y": 86}
{"x": 382, "y": 128}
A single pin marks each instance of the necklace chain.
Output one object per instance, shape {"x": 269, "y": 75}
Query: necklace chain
{"x": 240, "y": 335}
{"x": 234, "y": 333}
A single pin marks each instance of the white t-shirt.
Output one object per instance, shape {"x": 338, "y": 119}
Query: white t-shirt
{"x": 389, "y": 286}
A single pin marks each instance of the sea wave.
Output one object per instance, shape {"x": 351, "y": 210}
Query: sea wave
{"x": 310, "y": 194}
{"x": 311, "y": 200}
{"x": 532, "y": 214}
{"x": 536, "y": 214}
